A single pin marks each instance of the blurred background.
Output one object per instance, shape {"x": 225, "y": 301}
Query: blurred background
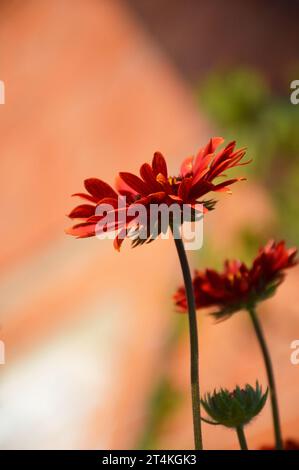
{"x": 96, "y": 357}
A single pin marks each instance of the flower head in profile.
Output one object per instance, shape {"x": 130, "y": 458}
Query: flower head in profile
{"x": 198, "y": 176}
{"x": 238, "y": 286}
{"x": 237, "y": 408}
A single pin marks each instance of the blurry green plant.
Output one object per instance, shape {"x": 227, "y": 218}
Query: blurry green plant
{"x": 163, "y": 403}
{"x": 240, "y": 103}
{"x": 165, "y": 397}
{"x": 234, "y": 98}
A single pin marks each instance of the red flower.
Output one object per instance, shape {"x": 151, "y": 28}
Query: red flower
{"x": 289, "y": 444}
{"x": 239, "y": 286}
{"x": 154, "y": 185}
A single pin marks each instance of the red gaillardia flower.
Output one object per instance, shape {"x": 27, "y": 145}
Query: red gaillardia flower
{"x": 238, "y": 286}
{"x": 114, "y": 210}
{"x": 288, "y": 444}
{"x": 154, "y": 186}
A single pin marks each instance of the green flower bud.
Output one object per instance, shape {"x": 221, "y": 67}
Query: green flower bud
{"x": 237, "y": 408}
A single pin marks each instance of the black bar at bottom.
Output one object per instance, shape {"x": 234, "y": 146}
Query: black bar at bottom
{"x": 134, "y": 459}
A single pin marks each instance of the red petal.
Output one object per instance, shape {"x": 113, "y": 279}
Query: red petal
{"x": 187, "y": 166}
{"x": 201, "y": 167}
{"x": 184, "y": 189}
{"x": 135, "y": 183}
{"x": 200, "y": 189}
{"x": 159, "y": 165}
{"x": 175, "y": 198}
{"x": 119, "y": 239}
{"x": 82, "y": 230}
{"x": 224, "y": 161}
{"x": 99, "y": 189}
{"x": 81, "y": 212}
{"x": 86, "y": 196}
{"x": 213, "y": 144}
{"x": 117, "y": 215}
{"x": 123, "y": 188}
{"x": 109, "y": 200}
{"x": 150, "y": 199}
{"x": 224, "y": 185}
{"x": 146, "y": 173}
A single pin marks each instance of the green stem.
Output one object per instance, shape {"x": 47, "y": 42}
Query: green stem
{"x": 242, "y": 438}
{"x": 193, "y": 343}
{"x": 270, "y": 375}
{"x": 208, "y": 421}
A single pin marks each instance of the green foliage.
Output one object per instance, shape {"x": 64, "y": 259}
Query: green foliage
{"x": 234, "y": 98}
{"x": 240, "y": 103}
{"x": 237, "y": 408}
{"x": 165, "y": 397}
{"x": 164, "y": 401}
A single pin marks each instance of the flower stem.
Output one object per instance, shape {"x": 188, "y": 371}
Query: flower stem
{"x": 270, "y": 375}
{"x": 193, "y": 343}
{"x": 242, "y": 438}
